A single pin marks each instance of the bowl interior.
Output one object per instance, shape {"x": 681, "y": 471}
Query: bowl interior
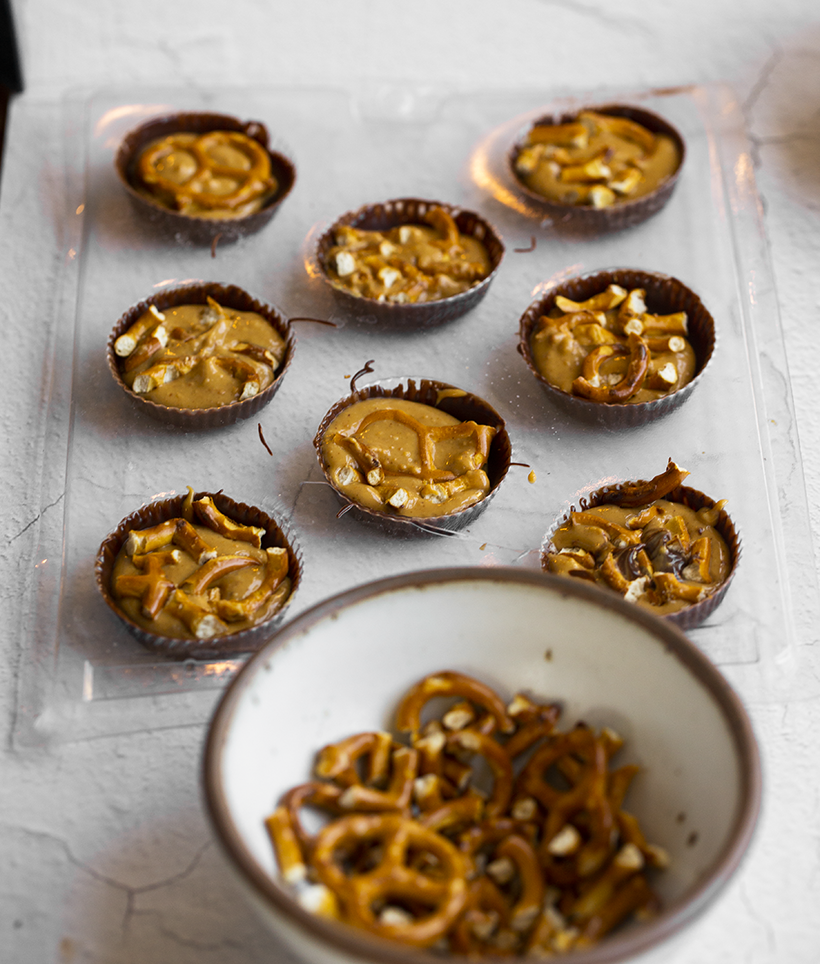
{"x": 607, "y": 663}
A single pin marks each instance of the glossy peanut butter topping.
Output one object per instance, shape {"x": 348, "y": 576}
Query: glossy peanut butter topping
{"x": 664, "y": 556}
{"x": 200, "y": 576}
{"x": 401, "y": 457}
{"x": 220, "y": 174}
{"x": 597, "y": 160}
{"x": 610, "y": 348}
{"x": 410, "y": 263}
{"x": 199, "y": 356}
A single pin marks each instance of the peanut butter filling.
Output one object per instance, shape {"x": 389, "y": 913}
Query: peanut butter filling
{"x": 220, "y": 174}
{"x": 199, "y": 356}
{"x": 609, "y": 348}
{"x": 199, "y": 577}
{"x": 663, "y": 555}
{"x": 596, "y": 160}
{"x": 410, "y": 263}
{"x": 401, "y": 457}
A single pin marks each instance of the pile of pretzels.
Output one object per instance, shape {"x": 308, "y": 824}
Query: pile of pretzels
{"x": 489, "y": 832}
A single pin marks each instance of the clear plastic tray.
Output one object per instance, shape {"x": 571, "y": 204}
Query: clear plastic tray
{"x": 85, "y": 675}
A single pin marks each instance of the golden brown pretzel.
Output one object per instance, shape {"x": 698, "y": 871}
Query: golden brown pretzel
{"x": 252, "y": 179}
{"x": 628, "y": 385}
{"x": 448, "y": 683}
{"x": 561, "y": 837}
{"x": 392, "y": 880}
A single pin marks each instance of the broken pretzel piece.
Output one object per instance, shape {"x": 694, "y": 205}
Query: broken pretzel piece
{"x": 207, "y": 511}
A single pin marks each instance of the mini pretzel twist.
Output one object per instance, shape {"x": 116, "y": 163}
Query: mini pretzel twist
{"x": 251, "y": 177}
{"x": 554, "y": 865}
{"x": 448, "y": 683}
{"x": 628, "y": 385}
{"x": 442, "y": 894}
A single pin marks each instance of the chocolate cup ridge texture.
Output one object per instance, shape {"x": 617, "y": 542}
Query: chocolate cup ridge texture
{"x": 690, "y": 616}
{"x": 585, "y": 220}
{"x": 464, "y": 407}
{"x": 245, "y": 641}
{"x": 199, "y": 230}
{"x": 664, "y": 295}
{"x": 391, "y": 214}
{"x": 228, "y": 296}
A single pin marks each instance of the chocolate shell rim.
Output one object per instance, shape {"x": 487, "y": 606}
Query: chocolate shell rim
{"x": 384, "y": 215}
{"x": 278, "y": 535}
{"x": 228, "y": 296}
{"x": 622, "y": 209}
{"x": 420, "y": 389}
{"x": 282, "y": 167}
{"x": 692, "y": 615}
{"x": 593, "y": 282}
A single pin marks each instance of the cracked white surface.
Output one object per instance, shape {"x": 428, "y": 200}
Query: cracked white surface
{"x": 109, "y": 858}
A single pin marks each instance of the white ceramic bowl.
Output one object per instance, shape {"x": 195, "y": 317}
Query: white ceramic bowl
{"x": 341, "y": 668}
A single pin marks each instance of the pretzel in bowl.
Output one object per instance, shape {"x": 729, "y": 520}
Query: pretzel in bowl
{"x": 418, "y": 846}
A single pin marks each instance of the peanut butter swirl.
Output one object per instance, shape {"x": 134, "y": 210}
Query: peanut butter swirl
{"x": 399, "y": 456}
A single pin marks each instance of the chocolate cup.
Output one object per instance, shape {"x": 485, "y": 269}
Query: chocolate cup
{"x": 690, "y": 616}
{"x": 391, "y": 214}
{"x": 585, "y": 220}
{"x": 467, "y": 407}
{"x": 664, "y": 295}
{"x": 244, "y": 641}
{"x": 229, "y": 296}
{"x": 199, "y": 230}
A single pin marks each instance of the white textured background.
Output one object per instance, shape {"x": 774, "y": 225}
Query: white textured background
{"x": 105, "y": 853}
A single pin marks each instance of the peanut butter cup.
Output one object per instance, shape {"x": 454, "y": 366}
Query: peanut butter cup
{"x": 199, "y": 575}
{"x": 619, "y": 347}
{"x": 418, "y": 456}
{"x": 660, "y": 544}
{"x": 409, "y": 263}
{"x": 201, "y": 175}
{"x": 598, "y": 170}
{"x": 201, "y": 356}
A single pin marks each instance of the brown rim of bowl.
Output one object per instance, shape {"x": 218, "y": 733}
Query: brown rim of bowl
{"x": 586, "y": 220}
{"x": 197, "y": 229}
{"x": 245, "y": 641}
{"x": 690, "y": 616}
{"x": 391, "y": 214}
{"x": 664, "y": 295}
{"x": 466, "y": 407}
{"x": 617, "y": 948}
{"x": 229, "y": 296}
